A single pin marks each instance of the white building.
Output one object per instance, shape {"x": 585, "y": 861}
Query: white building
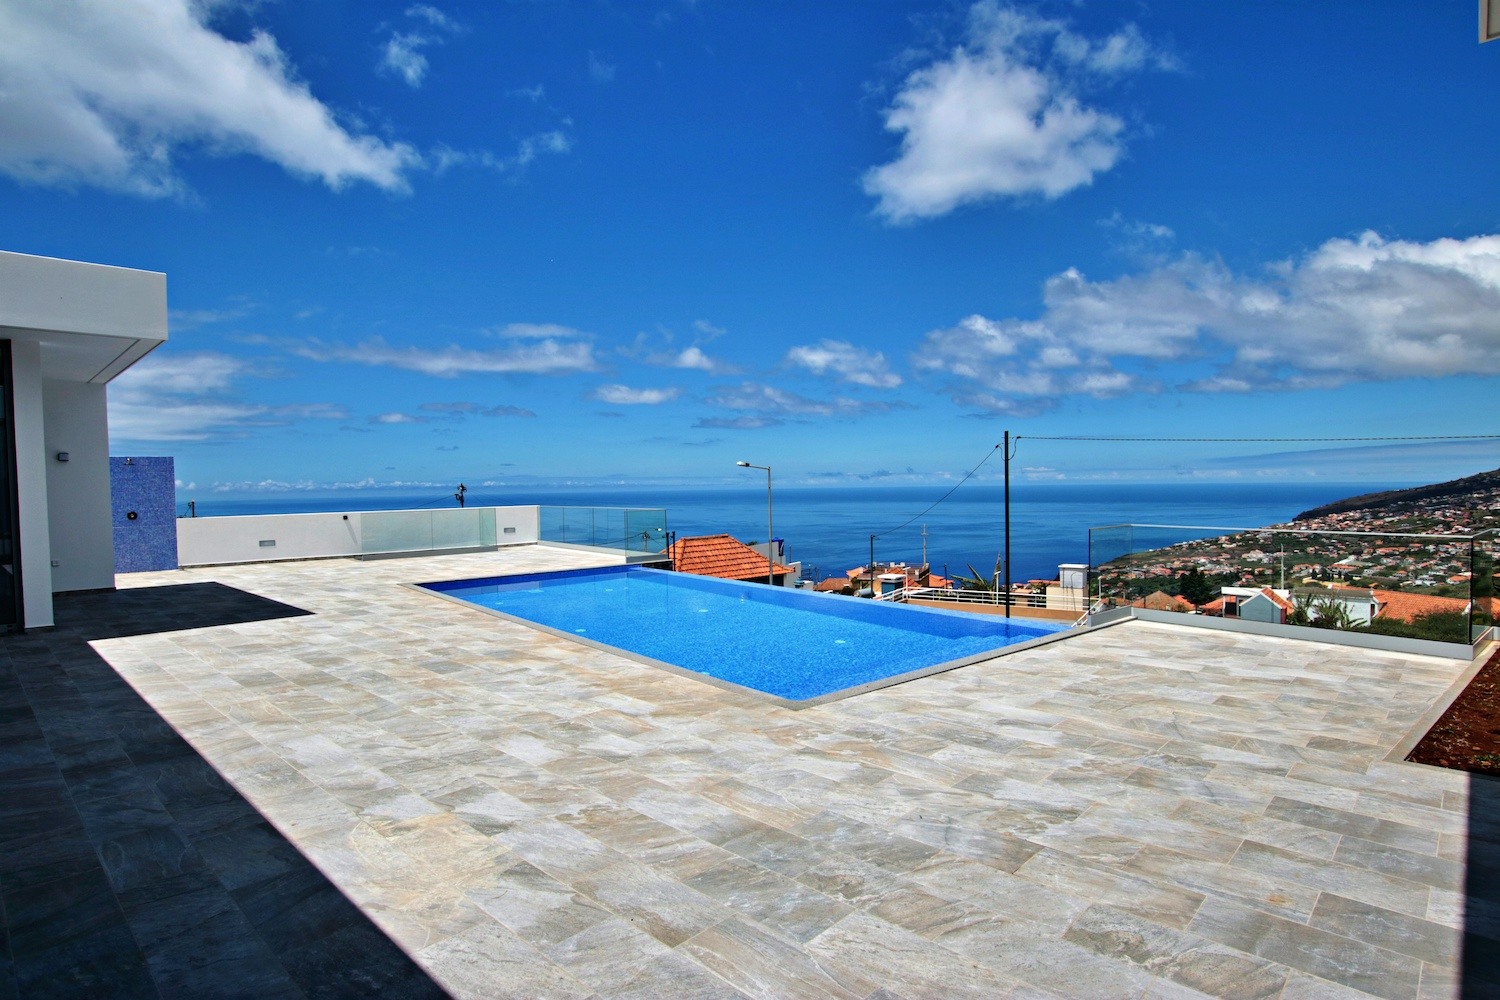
{"x": 66, "y": 329}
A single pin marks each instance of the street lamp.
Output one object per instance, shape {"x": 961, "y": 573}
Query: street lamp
{"x": 770, "y": 528}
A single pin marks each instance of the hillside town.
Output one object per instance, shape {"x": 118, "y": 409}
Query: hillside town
{"x": 1406, "y": 563}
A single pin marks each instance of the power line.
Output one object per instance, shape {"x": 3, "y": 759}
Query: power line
{"x": 1226, "y": 440}
{"x": 945, "y": 496}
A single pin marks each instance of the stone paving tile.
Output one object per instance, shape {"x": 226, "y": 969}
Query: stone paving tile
{"x": 1186, "y": 959}
{"x": 1433, "y": 943}
{"x": 1146, "y": 811}
{"x": 1319, "y": 953}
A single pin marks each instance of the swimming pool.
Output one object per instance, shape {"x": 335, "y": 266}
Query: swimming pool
{"x": 786, "y": 643}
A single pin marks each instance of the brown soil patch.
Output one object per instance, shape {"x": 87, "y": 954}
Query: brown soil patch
{"x": 1467, "y": 736}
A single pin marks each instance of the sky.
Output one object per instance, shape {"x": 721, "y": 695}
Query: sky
{"x": 520, "y": 243}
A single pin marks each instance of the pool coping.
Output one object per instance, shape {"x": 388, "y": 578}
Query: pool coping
{"x": 719, "y": 682}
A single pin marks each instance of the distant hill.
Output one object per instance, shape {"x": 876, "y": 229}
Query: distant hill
{"x": 1480, "y": 483}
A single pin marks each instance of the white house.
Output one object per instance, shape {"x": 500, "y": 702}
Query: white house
{"x": 66, "y": 329}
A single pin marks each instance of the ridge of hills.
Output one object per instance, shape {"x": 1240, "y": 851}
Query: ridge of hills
{"x": 1482, "y": 482}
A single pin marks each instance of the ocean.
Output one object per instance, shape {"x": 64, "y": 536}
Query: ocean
{"x": 829, "y": 528}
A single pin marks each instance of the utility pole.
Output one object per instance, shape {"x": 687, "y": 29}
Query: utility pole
{"x": 924, "y": 545}
{"x": 1006, "y": 445}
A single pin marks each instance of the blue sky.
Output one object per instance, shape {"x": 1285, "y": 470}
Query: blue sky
{"x": 532, "y": 243}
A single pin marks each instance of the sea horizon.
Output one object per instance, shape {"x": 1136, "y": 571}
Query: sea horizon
{"x": 828, "y": 528}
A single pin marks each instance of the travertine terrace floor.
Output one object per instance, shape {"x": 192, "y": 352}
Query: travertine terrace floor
{"x": 1144, "y": 811}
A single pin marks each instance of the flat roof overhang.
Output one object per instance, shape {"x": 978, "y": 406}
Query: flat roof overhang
{"x": 92, "y": 320}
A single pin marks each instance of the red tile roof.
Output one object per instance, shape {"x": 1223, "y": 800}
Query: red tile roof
{"x": 1277, "y": 599}
{"x": 1405, "y": 607}
{"x": 1162, "y": 601}
{"x": 722, "y": 556}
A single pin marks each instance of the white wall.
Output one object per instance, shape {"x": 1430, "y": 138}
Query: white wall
{"x": 31, "y": 484}
{"x": 205, "y": 541}
{"x": 209, "y": 540}
{"x": 79, "y": 519}
{"x": 527, "y": 520}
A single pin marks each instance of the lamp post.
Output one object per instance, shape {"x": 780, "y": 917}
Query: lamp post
{"x": 770, "y": 524}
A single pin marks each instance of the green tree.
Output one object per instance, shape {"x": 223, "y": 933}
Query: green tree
{"x": 1196, "y": 587}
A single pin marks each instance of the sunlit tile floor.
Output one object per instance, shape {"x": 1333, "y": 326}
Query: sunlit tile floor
{"x": 1144, "y": 811}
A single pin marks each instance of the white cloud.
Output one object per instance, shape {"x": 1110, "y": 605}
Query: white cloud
{"x": 624, "y": 395}
{"x": 847, "y": 362}
{"x": 693, "y": 357}
{"x": 433, "y": 16}
{"x": 549, "y": 355}
{"x": 403, "y": 56}
{"x": 1363, "y": 309}
{"x": 535, "y": 331}
{"x": 772, "y": 400}
{"x": 190, "y": 397}
{"x": 104, "y": 92}
{"x": 999, "y": 116}
{"x": 445, "y": 158}
{"x": 397, "y": 418}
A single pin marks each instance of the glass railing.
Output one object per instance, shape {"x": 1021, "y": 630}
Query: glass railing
{"x": 634, "y": 529}
{"x": 1420, "y": 586}
{"x": 391, "y": 531}
{"x": 1486, "y": 594}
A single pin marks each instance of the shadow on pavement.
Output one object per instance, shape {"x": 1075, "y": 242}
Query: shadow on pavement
{"x": 128, "y": 866}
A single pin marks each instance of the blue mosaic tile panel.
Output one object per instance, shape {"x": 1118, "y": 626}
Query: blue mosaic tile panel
{"x": 143, "y": 500}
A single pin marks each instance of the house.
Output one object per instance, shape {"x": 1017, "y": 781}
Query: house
{"x": 1266, "y": 605}
{"x": 895, "y": 576}
{"x": 725, "y": 557}
{"x": 66, "y": 330}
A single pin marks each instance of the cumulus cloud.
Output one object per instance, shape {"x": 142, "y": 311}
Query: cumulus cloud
{"x": 1362, "y": 309}
{"x": 658, "y": 349}
{"x": 1000, "y": 115}
{"x": 846, "y": 362}
{"x": 105, "y": 92}
{"x": 624, "y": 395}
{"x": 397, "y": 418}
{"x": 541, "y": 355}
{"x": 191, "y": 397}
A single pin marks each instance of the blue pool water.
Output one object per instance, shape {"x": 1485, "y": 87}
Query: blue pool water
{"x": 786, "y": 643}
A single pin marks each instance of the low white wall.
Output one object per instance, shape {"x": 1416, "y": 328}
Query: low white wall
{"x": 204, "y": 541}
{"x": 525, "y": 523}
{"x": 78, "y": 509}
